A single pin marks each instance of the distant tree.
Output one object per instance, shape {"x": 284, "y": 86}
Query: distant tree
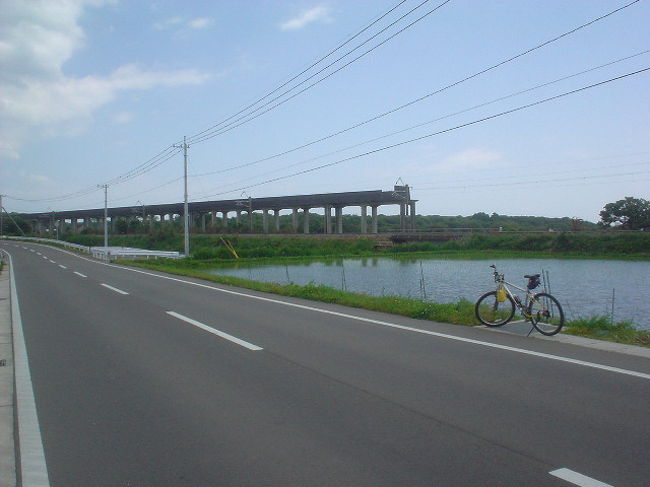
{"x": 576, "y": 224}
{"x": 12, "y": 222}
{"x": 630, "y": 213}
{"x": 122, "y": 226}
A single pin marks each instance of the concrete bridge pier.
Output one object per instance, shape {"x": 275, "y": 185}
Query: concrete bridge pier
{"x": 224, "y": 220}
{"x": 412, "y": 209}
{"x": 276, "y": 217}
{"x": 306, "y": 220}
{"x": 328, "y": 219}
{"x": 294, "y": 219}
{"x": 374, "y": 219}
{"x": 265, "y": 220}
{"x": 364, "y": 219}
{"x": 338, "y": 211}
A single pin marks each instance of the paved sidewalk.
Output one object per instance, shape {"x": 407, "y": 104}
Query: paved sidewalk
{"x": 7, "y": 455}
{"x": 522, "y": 328}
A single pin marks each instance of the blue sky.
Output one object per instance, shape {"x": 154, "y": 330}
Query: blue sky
{"x": 90, "y": 90}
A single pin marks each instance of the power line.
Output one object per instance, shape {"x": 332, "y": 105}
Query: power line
{"x": 438, "y": 91}
{"x": 538, "y": 181}
{"x": 233, "y": 125}
{"x": 375, "y": 139}
{"x": 514, "y": 184}
{"x": 171, "y": 151}
{"x": 315, "y": 63}
{"x": 160, "y": 158}
{"x": 164, "y": 156}
{"x": 140, "y": 193}
{"x": 147, "y": 166}
{"x": 416, "y": 139}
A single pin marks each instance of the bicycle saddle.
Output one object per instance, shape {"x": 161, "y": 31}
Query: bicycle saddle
{"x": 531, "y": 276}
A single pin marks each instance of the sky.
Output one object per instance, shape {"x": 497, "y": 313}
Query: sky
{"x": 461, "y": 102}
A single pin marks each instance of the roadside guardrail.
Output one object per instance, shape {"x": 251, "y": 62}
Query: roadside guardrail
{"x": 107, "y": 253}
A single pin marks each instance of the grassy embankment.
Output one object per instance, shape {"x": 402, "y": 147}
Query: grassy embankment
{"x": 209, "y": 248}
{"x": 209, "y": 252}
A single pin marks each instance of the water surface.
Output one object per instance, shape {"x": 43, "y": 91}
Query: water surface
{"x": 584, "y": 287}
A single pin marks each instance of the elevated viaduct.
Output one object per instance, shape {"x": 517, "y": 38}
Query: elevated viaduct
{"x": 215, "y": 215}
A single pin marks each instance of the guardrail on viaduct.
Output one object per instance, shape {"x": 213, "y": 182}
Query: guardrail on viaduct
{"x": 204, "y": 213}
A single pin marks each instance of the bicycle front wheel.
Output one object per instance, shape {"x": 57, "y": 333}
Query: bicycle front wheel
{"x": 492, "y": 312}
{"x": 546, "y": 314}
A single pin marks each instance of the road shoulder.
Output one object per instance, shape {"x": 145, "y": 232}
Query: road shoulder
{"x": 7, "y": 396}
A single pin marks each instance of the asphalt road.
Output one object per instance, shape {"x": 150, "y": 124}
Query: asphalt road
{"x": 137, "y": 390}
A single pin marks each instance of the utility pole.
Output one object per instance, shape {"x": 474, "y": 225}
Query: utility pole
{"x": 143, "y": 215}
{"x": 186, "y": 216}
{"x": 1, "y": 218}
{"x": 105, "y": 186}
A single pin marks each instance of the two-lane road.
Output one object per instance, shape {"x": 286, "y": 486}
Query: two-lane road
{"x": 143, "y": 379}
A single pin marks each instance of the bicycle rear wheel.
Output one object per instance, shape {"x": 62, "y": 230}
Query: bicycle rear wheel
{"x": 546, "y": 313}
{"x": 491, "y": 312}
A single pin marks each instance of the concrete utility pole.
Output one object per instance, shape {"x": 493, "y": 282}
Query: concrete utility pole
{"x": 1, "y": 217}
{"x": 186, "y": 216}
{"x": 105, "y": 186}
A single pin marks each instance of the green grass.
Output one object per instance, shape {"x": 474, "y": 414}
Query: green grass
{"x": 601, "y": 328}
{"x": 460, "y": 312}
{"x": 603, "y": 245}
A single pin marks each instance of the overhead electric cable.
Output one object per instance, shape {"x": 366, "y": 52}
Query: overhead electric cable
{"x": 416, "y": 139}
{"x": 517, "y": 176}
{"x": 422, "y": 98}
{"x": 147, "y": 166}
{"x": 139, "y": 193}
{"x": 160, "y": 158}
{"x": 529, "y": 181}
{"x": 315, "y": 63}
{"x": 233, "y": 125}
{"x": 375, "y": 139}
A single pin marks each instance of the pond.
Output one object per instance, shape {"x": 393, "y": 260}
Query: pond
{"x": 584, "y": 287}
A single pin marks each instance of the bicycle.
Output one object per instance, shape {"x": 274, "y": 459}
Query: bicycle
{"x": 542, "y": 310}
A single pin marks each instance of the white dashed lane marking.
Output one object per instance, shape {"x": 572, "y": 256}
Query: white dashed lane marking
{"x": 119, "y": 291}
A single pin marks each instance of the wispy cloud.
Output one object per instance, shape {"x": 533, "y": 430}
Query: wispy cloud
{"x": 123, "y": 117}
{"x": 168, "y": 23}
{"x": 320, "y": 13}
{"x": 197, "y": 23}
{"x": 200, "y": 23}
{"x": 36, "y": 96}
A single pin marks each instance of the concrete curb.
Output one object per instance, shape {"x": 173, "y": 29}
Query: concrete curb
{"x": 519, "y": 328}
{"x": 7, "y": 396}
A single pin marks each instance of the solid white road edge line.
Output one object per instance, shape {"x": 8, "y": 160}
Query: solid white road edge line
{"x": 114, "y": 289}
{"x": 523, "y": 351}
{"x": 577, "y": 478}
{"x": 80, "y": 274}
{"x": 214, "y": 331}
{"x": 33, "y": 469}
